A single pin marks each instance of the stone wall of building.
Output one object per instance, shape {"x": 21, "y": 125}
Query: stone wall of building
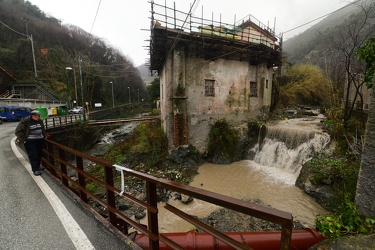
{"x": 195, "y": 93}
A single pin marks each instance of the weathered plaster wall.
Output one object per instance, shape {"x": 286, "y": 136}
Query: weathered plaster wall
{"x": 231, "y": 101}
{"x": 251, "y": 34}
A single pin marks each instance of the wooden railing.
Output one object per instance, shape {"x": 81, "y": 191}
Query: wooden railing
{"x": 58, "y": 160}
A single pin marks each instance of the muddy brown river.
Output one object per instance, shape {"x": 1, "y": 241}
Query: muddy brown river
{"x": 244, "y": 181}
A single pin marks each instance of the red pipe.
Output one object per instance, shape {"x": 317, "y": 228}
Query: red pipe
{"x": 301, "y": 239}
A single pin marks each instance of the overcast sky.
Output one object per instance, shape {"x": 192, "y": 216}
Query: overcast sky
{"x": 120, "y": 22}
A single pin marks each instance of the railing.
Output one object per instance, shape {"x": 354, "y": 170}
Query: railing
{"x": 60, "y": 121}
{"x": 57, "y": 159}
{"x": 10, "y": 94}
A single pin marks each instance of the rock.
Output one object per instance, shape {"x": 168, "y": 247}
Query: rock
{"x": 324, "y": 195}
{"x": 140, "y": 215}
{"x": 186, "y": 155}
{"x": 186, "y": 199}
{"x": 363, "y": 242}
{"x": 321, "y": 191}
{"x": 121, "y": 205}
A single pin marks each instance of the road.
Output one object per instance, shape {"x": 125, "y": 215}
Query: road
{"x": 35, "y": 213}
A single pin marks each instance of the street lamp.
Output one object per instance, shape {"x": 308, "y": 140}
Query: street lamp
{"x": 130, "y": 101}
{"x": 80, "y": 74}
{"x": 113, "y": 96}
{"x": 138, "y": 94}
{"x": 75, "y": 83}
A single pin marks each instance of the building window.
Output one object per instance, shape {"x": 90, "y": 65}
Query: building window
{"x": 209, "y": 87}
{"x": 266, "y": 84}
{"x": 253, "y": 89}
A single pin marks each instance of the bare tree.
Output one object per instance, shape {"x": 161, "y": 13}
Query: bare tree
{"x": 357, "y": 29}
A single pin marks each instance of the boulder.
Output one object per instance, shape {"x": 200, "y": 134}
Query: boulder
{"x": 363, "y": 242}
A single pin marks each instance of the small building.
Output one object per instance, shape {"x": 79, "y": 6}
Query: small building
{"x": 358, "y": 93}
{"x": 209, "y": 71}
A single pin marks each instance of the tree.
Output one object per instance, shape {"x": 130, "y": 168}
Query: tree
{"x": 153, "y": 91}
{"x": 365, "y": 194}
{"x": 354, "y": 32}
{"x": 304, "y": 85}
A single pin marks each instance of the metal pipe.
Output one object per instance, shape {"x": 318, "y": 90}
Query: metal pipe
{"x": 301, "y": 239}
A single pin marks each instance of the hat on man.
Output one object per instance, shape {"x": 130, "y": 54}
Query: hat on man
{"x": 35, "y": 112}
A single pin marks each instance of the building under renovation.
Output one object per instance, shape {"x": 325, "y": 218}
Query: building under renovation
{"x": 209, "y": 71}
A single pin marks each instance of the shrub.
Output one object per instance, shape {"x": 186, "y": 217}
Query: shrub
{"x": 223, "y": 141}
{"x": 346, "y": 221}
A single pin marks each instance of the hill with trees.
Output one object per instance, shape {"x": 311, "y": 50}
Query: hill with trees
{"x": 331, "y": 45}
{"x": 37, "y": 48}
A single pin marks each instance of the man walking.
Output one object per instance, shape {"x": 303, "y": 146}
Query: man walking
{"x": 30, "y": 132}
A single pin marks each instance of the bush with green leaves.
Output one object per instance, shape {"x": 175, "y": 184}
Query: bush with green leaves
{"x": 345, "y": 221}
{"x": 223, "y": 141}
{"x": 339, "y": 172}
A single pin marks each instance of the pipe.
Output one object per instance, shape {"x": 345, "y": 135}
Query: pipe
{"x": 301, "y": 239}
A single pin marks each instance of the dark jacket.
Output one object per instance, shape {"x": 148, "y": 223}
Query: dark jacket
{"x": 23, "y": 129}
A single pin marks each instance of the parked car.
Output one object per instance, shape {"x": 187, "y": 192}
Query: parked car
{"x": 14, "y": 113}
{"x": 76, "y": 110}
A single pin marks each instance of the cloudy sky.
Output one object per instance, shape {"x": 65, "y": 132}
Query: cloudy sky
{"x": 122, "y": 23}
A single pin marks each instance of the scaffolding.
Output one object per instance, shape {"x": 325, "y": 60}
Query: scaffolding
{"x": 245, "y": 39}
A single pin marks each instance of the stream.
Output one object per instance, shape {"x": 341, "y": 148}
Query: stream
{"x": 269, "y": 177}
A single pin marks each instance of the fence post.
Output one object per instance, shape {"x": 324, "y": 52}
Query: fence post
{"x": 152, "y": 217}
{"x": 111, "y": 200}
{"x": 63, "y": 167}
{"x": 51, "y": 159}
{"x": 81, "y": 178}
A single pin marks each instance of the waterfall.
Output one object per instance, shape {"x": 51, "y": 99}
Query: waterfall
{"x": 289, "y": 144}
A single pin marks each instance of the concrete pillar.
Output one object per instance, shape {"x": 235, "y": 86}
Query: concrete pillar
{"x": 365, "y": 195}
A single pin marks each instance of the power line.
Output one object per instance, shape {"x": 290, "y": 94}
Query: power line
{"x": 179, "y": 33}
{"x": 96, "y": 14}
{"x": 22, "y": 34}
{"x": 319, "y": 17}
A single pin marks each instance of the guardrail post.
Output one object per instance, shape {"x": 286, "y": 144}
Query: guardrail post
{"x": 152, "y": 217}
{"x": 45, "y": 123}
{"x": 63, "y": 167}
{"x": 51, "y": 159}
{"x": 286, "y": 236}
{"x": 81, "y": 178}
{"x": 111, "y": 200}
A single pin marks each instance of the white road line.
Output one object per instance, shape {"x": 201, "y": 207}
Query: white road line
{"x": 74, "y": 231}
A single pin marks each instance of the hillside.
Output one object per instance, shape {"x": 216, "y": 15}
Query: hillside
{"x": 320, "y": 36}
{"x": 145, "y": 73}
{"x": 37, "y": 48}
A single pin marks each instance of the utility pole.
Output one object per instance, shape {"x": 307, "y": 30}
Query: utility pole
{"x": 113, "y": 96}
{"x": 32, "y": 44}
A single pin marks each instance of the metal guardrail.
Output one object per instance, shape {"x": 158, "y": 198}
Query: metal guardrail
{"x": 61, "y": 121}
{"x": 56, "y": 160}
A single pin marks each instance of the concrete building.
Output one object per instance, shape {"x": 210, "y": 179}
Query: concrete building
{"x": 210, "y": 71}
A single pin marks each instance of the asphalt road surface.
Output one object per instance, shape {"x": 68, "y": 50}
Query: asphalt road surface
{"x": 35, "y": 213}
